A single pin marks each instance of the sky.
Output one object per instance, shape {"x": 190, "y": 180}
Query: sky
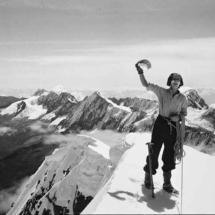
{"x": 94, "y": 45}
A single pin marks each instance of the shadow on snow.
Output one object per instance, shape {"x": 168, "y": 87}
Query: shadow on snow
{"x": 162, "y": 201}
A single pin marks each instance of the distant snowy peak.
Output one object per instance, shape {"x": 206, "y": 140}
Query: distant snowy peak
{"x": 62, "y": 102}
{"x": 193, "y": 98}
{"x": 136, "y": 104}
{"x": 26, "y": 108}
{"x": 95, "y": 111}
{"x": 96, "y": 95}
{"x": 41, "y": 103}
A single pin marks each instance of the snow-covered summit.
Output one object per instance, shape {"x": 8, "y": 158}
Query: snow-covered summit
{"x": 126, "y": 195}
{"x": 79, "y": 178}
{"x": 193, "y": 98}
{"x": 96, "y": 95}
{"x": 26, "y": 108}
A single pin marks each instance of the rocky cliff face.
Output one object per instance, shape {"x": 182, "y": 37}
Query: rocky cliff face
{"x": 98, "y": 112}
{"x": 194, "y": 100}
{"x": 59, "y": 103}
{"x": 136, "y": 104}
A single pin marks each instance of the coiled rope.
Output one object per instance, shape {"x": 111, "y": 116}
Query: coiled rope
{"x": 179, "y": 152}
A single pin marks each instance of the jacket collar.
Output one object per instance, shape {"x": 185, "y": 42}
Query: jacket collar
{"x": 177, "y": 92}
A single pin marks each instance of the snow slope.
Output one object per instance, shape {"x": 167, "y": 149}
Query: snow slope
{"x": 32, "y": 110}
{"x": 113, "y": 177}
{"x": 124, "y": 193}
{"x": 81, "y": 166}
{"x": 201, "y": 118}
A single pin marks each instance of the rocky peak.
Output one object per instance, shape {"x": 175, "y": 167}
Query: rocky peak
{"x": 20, "y": 107}
{"x": 94, "y": 96}
{"x": 136, "y": 104}
{"x": 67, "y": 96}
{"x": 53, "y": 101}
{"x": 96, "y": 111}
{"x": 194, "y": 100}
{"x": 39, "y": 92}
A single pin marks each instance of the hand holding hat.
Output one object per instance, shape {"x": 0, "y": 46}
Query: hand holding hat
{"x": 143, "y": 66}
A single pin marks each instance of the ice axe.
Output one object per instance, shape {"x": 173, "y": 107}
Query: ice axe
{"x": 150, "y": 168}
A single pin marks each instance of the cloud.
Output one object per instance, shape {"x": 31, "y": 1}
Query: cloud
{"x": 9, "y": 196}
{"x": 111, "y": 138}
{"x": 208, "y": 94}
{"x": 108, "y": 137}
{"x": 78, "y": 95}
{"x": 21, "y": 4}
{"x": 60, "y": 139}
{"x": 132, "y": 93}
{"x": 190, "y": 49}
{"x": 6, "y": 130}
{"x": 41, "y": 127}
{"x": 58, "y": 59}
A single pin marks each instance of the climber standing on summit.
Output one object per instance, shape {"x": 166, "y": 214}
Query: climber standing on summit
{"x": 167, "y": 127}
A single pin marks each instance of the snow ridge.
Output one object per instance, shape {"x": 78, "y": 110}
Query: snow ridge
{"x": 81, "y": 167}
{"x": 88, "y": 177}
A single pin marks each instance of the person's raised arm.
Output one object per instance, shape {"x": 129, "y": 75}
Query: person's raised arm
{"x": 141, "y": 74}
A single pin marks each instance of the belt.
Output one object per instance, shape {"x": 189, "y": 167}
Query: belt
{"x": 168, "y": 122}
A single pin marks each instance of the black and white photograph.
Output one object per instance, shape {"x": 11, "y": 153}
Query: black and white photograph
{"x": 107, "y": 107}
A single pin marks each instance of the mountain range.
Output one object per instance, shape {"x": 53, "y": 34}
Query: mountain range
{"x": 205, "y": 92}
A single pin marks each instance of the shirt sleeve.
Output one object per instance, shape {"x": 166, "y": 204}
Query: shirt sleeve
{"x": 155, "y": 89}
{"x": 184, "y": 107}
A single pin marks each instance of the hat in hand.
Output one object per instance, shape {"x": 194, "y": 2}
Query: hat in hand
{"x": 144, "y": 64}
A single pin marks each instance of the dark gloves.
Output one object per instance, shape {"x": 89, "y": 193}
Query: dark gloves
{"x": 139, "y": 70}
{"x": 138, "y": 64}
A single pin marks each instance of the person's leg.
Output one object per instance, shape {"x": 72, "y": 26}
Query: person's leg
{"x": 158, "y": 135}
{"x": 168, "y": 156}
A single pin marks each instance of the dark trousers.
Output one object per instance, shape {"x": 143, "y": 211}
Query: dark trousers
{"x": 165, "y": 134}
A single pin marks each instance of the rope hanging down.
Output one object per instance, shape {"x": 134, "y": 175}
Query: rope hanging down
{"x": 179, "y": 152}
{"x": 180, "y": 131}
